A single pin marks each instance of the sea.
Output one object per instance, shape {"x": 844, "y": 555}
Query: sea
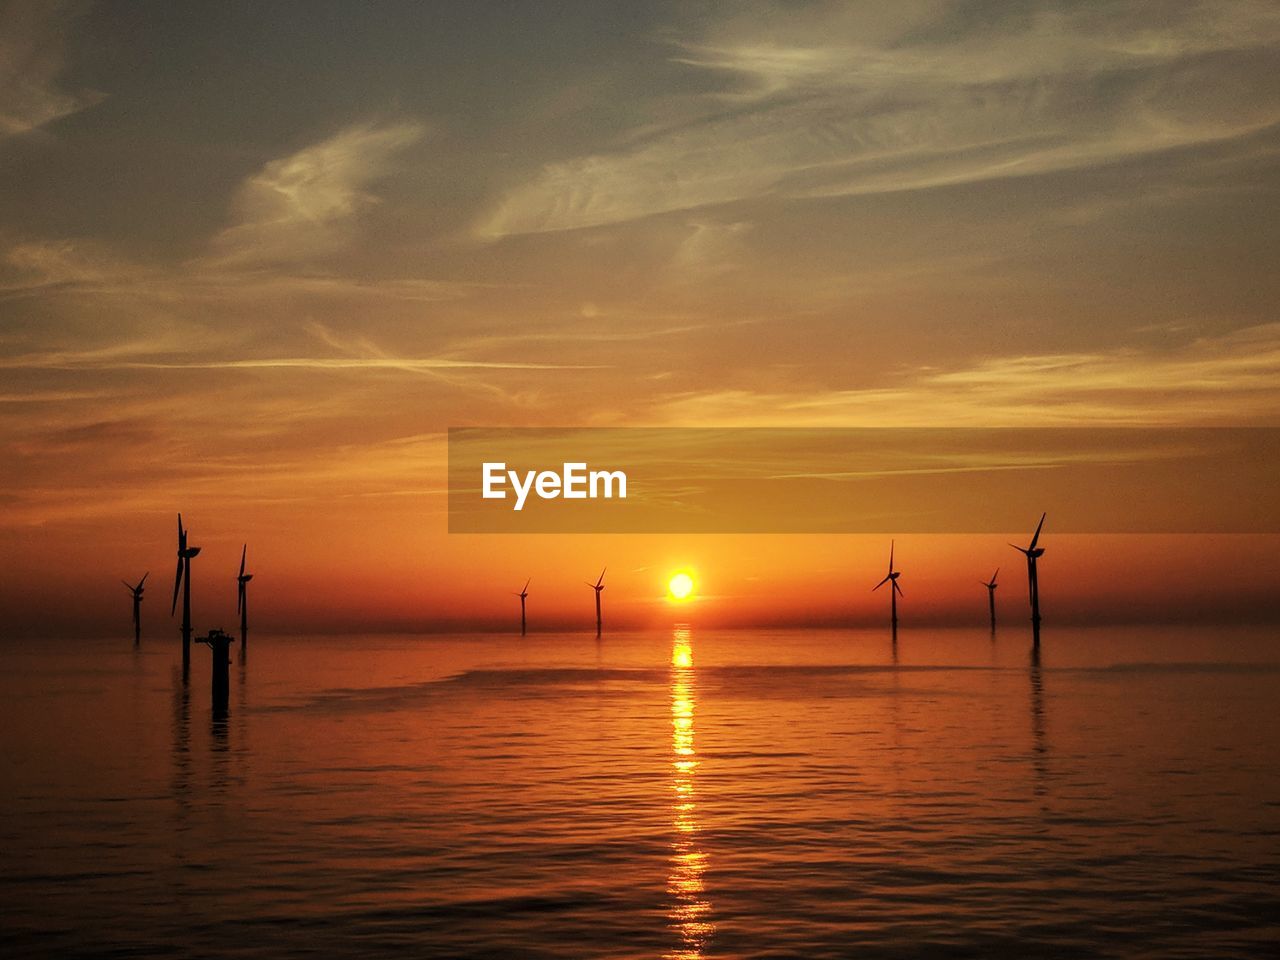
{"x": 671, "y": 793}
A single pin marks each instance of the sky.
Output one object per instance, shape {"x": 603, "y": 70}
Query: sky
{"x": 256, "y": 259}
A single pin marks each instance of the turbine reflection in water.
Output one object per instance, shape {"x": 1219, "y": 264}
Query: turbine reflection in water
{"x": 1039, "y": 744}
{"x": 690, "y": 911}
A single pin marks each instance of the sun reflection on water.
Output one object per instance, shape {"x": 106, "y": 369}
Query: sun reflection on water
{"x": 690, "y": 911}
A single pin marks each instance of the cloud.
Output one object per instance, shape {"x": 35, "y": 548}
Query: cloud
{"x": 845, "y": 102}
{"x": 90, "y": 360}
{"x": 32, "y": 55}
{"x": 110, "y": 468}
{"x": 135, "y": 356}
{"x": 1229, "y": 380}
{"x": 53, "y": 396}
{"x": 79, "y": 267}
{"x": 303, "y": 205}
{"x": 39, "y": 265}
{"x": 187, "y": 315}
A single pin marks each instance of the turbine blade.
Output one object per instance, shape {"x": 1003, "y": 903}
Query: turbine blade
{"x": 127, "y": 585}
{"x": 243, "y": 550}
{"x": 1020, "y": 549}
{"x": 526, "y": 585}
{"x": 144, "y": 579}
{"x": 898, "y": 588}
{"x": 177, "y": 582}
{"x": 601, "y": 580}
{"x": 1037, "y": 534}
{"x": 891, "y": 556}
{"x": 880, "y": 584}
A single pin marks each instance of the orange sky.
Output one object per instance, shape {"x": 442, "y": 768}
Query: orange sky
{"x": 255, "y": 262}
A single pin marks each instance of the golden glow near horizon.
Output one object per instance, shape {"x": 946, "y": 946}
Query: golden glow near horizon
{"x": 681, "y": 586}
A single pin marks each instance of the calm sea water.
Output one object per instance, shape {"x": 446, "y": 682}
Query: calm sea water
{"x": 679, "y": 793}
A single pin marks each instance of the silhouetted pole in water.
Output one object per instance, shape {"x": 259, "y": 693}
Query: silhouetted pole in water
{"x": 891, "y": 578}
{"x": 523, "y": 594}
{"x": 1033, "y": 553}
{"x": 242, "y": 600}
{"x": 991, "y": 596}
{"x": 597, "y": 587}
{"x": 137, "y": 606}
{"x": 183, "y": 579}
{"x": 220, "y": 643}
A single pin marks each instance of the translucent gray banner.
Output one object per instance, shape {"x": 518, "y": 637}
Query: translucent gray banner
{"x": 863, "y": 480}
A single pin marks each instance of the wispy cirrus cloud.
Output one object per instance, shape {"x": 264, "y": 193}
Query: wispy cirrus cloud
{"x": 188, "y": 315}
{"x": 304, "y": 204}
{"x": 77, "y": 267}
{"x": 92, "y": 360}
{"x": 292, "y": 211}
{"x": 184, "y": 349}
{"x": 33, "y": 266}
{"x": 1228, "y": 380}
{"x": 32, "y": 58}
{"x": 844, "y": 100}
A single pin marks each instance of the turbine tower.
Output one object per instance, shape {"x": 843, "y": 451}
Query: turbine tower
{"x": 523, "y": 595}
{"x": 219, "y": 644}
{"x": 1033, "y": 553}
{"x": 183, "y": 580}
{"x": 991, "y": 596}
{"x": 892, "y": 578}
{"x": 137, "y": 606}
{"x": 242, "y": 600}
{"x": 597, "y": 587}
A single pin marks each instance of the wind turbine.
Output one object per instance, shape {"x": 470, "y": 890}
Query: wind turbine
{"x": 183, "y": 580}
{"x": 597, "y": 587}
{"x": 892, "y": 578}
{"x": 991, "y": 596}
{"x": 242, "y": 599}
{"x": 523, "y": 594}
{"x": 137, "y": 606}
{"x": 1033, "y": 553}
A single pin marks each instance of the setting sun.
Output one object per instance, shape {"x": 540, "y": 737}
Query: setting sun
{"x": 680, "y": 586}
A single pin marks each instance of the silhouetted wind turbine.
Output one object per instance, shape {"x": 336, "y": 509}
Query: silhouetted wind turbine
{"x": 523, "y": 594}
{"x": 1033, "y": 553}
{"x": 242, "y": 599}
{"x": 597, "y": 587}
{"x": 137, "y": 606}
{"x": 183, "y": 579}
{"x": 991, "y": 596}
{"x": 892, "y": 578}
